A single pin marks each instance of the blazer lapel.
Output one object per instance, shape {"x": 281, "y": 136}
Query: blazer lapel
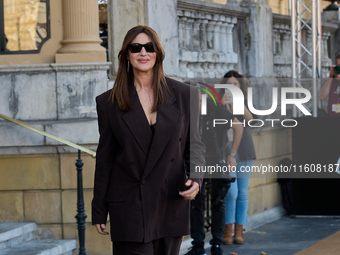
{"x": 137, "y": 122}
{"x": 167, "y": 119}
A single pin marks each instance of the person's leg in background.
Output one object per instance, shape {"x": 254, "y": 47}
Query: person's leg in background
{"x": 217, "y": 217}
{"x": 242, "y": 192}
{"x": 230, "y": 210}
{"x": 242, "y": 199}
{"x": 230, "y": 204}
{"x": 197, "y": 232}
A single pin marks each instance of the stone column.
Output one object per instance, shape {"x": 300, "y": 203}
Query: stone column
{"x": 81, "y": 42}
{"x": 287, "y": 44}
{"x": 326, "y": 62}
{"x": 196, "y": 35}
{"x": 260, "y": 54}
{"x": 183, "y": 69}
{"x": 276, "y": 40}
{"x": 224, "y": 39}
{"x": 324, "y": 45}
{"x": 181, "y": 32}
{"x": 161, "y": 15}
{"x": 230, "y": 47}
{"x": 189, "y": 34}
{"x": 205, "y": 66}
{"x": 204, "y": 46}
{"x": 217, "y": 36}
{"x": 210, "y": 34}
{"x": 287, "y": 52}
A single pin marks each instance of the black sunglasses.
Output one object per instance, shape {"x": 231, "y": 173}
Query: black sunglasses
{"x": 136, "y": 47}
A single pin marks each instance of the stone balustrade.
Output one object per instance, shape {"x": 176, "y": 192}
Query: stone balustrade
{"x": 282, "y": 49}
{"x": 326, "y": 62}
{"x": 205, "y": 44}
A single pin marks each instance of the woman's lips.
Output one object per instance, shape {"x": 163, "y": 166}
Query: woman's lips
{"x": 143, "y": 61}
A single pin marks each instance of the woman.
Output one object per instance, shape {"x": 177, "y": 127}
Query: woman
{"x": 140, "y": 178}
{"x": 237, "y": 196}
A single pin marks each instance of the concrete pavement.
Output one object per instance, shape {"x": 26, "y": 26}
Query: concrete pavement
{"x": 286, "y": 236}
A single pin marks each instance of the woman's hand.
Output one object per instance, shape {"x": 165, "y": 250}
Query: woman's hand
{"x": 191, "y": 193}
{"x": 101, "y": 228}
{"x": 227, "y": 99}
{"x": 231, "y": 161}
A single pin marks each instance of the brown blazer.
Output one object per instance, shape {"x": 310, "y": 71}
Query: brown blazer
{"x": 138, "y": 178}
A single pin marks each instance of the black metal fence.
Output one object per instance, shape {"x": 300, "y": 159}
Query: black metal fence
{"x": 81, "y": 216}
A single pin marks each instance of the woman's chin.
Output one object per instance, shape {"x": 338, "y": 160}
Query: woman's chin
{"x": 143, "y": 70}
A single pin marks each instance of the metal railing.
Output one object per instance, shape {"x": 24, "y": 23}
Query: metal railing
{"x": 81, "y": 216}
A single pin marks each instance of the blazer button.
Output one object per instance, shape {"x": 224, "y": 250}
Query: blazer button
{"x": 180, "y": 139}
{"x": 172, "y": 160}
{"x": 142, "y": 182}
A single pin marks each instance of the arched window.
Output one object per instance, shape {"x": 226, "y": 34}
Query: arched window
{"x": 24, "y": 26}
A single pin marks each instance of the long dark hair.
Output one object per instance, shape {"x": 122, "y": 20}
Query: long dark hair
{"x": 120, "y": 90}
{"x": 337, "y": 56}
{"x": 240, "y": 79}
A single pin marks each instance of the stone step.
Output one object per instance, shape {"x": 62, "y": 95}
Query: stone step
{"x": 15, "y": 233}
{"x": 42, "y": 247}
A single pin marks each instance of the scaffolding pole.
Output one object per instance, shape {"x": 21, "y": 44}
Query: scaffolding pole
{"x": 302, "y": 52}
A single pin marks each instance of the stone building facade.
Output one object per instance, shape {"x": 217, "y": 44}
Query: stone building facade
{"x": 54, "y": 90}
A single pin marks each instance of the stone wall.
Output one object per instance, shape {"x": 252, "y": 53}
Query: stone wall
{"x": 56, "y": 98}
{"x": 38, "y": 175}
{"x": 271, "y": 146}
{"x": 42, "y": 188}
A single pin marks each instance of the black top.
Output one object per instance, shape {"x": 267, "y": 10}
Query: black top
{"x": 246, "y": 150}
{"x": 153, "y": 126}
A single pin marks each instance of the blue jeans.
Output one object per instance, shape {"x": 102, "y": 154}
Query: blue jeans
{"x": 237, "y": 196}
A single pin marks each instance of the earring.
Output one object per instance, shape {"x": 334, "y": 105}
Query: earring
{"x": 128, "y": 66}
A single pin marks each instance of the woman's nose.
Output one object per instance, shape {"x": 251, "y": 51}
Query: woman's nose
{"x": 143, "y": 51}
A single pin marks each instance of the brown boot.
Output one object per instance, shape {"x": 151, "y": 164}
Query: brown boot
{"x": 239, "y": 236}
{"x": 228, "y": 234}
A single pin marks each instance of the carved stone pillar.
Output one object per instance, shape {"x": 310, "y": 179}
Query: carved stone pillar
{"x": 81, "y": 42}
{"x": 324, "y": 45}
{"x": 210, "y": 34}
{"x": 189, "y": 39}
{"x": 196, "y": 35}
{"x": 204, "y": 41}
{"x": 212, "y": 70}
{"x": 191, "y": 70}
{"x": 183, "y": 69}
{"x": 286, "y": 45}
{"x": 224, "y": 40}
{"x": 217, "y": 36}
{"x": 230, "y": 47}
{"x": 181, "y": 32}
{"x": 276, "y": 41}
{"x": 326, "y": 62}
{"x": 260, "y": 55}
{"x": 205, "y": 66}
{"x": 198, "y": 70}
